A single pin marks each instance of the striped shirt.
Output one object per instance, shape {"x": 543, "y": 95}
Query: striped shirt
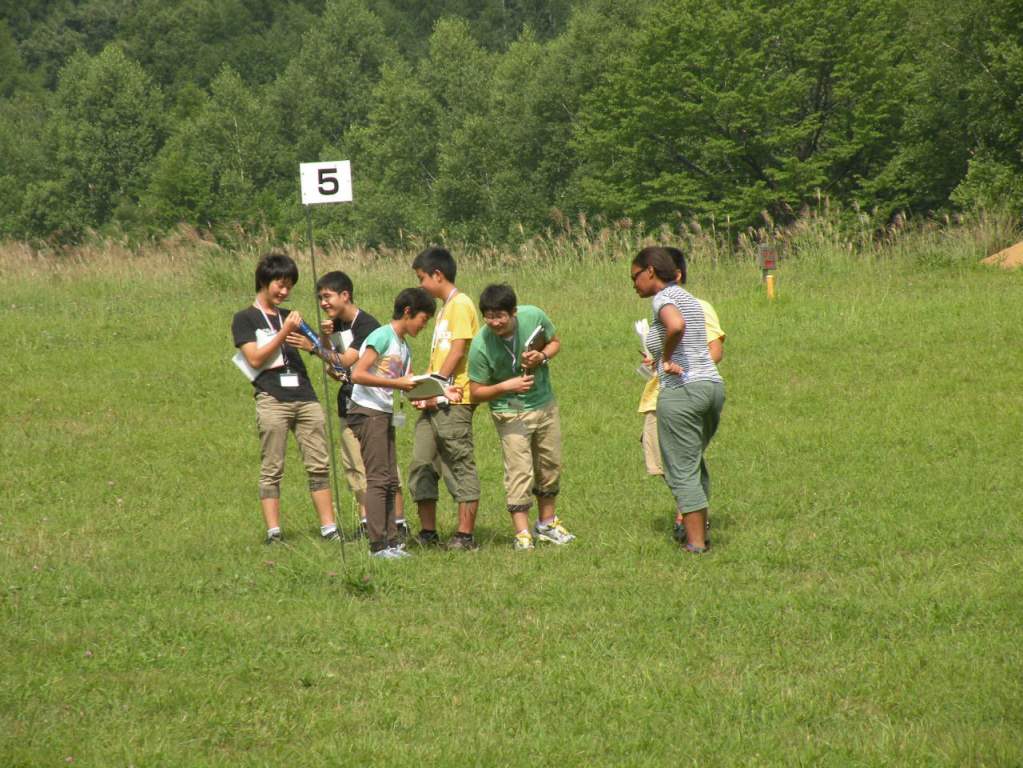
{"x": 691, "y": 352}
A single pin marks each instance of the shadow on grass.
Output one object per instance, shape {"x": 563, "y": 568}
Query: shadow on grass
{"x": 360, "y": 583}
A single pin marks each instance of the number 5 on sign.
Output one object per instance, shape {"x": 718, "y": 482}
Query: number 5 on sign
{"x": 329, "y": 182}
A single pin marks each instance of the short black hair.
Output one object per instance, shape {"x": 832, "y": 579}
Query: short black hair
{"x": 338, "y": 282}
{"x": 436, "y": 259}
{"x": 415, "y": 300}
{"x": 660, "y": 259}
{"x": 275, "y": 266}
{"x": 498, "y": 297}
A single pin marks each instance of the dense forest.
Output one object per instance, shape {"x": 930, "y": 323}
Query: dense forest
{"x": 488, "y": 120}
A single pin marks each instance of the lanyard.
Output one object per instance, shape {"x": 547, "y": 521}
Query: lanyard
{"x": 436, "y": 324}
{"x": 513, "y": 348}
{"x": 350, "y": 328}
{"x": 284, "y": 347}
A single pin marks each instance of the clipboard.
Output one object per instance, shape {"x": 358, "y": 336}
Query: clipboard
{"x": 428, "y": 385}
{"x": 537, "y": 340}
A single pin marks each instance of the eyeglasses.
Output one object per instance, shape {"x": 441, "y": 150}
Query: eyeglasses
{"x": 636, "y": 274}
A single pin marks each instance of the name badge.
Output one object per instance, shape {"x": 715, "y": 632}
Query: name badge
{"x": 398, "y": 419}
{"x": 289, "y": 379}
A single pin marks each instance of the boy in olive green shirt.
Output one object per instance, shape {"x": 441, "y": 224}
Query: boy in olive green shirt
{"x": 508, "y": 368}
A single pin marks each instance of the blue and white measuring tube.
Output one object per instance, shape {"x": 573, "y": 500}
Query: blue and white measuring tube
{"x": 310, "y": 334}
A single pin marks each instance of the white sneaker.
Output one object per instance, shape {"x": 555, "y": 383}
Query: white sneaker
{"x": 386, "y": 554}
{"x": 554, "y": 532}
{"x": 400, "y": 551}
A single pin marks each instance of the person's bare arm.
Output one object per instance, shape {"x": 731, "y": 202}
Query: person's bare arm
{"x": 258, "y": 356}
{"x": 674, "y": 330}
{"x": 361, "y": 374}
{"x": 533, "y": 358}
{"x": 481, "y": 393}
{"x": 459, "y": 348}
{"x": 717, "y": 350}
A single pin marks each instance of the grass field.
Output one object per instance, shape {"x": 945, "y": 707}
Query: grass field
{"x": 862, "y": 605}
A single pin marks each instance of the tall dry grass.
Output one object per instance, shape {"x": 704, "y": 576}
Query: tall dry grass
{"x": 818, "y": 234}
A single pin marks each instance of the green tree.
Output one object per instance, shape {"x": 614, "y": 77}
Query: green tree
{"x": 187, "y": 42}
{"x": 457, "y": 74}
{"x": 962, "y": 136}
{"x": 417, "y": 161}
{"x": 108, "y": 125}
{"x": 534, "y": 100}
{"x": 71, "y": 27}
{"x": 21, "y": 15}
{"x": 14, "y": 76}
{"x": 220, "y": 166}
{"x": 494, "y": 24}
{"x": 730, "y": 108}
{"x": 394, "y": 159}
{"x": 328, "y": 86}
{"x": 24, "y": 160}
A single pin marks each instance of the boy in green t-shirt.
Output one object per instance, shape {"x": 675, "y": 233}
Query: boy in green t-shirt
{"x": 443, "y": 434}
{"x": 508, "y": 368}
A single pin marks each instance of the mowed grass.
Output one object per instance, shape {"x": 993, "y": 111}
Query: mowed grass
{"x": 862, "y": 604}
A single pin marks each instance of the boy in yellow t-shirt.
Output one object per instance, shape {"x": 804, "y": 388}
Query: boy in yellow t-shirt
{"x": 443, "y": 444}
{"x": 648, "y": 400}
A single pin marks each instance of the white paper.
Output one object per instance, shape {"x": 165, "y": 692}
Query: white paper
{"x": 642, "y": 329}
{"x": 243, "y": 366}
{"x": 427, "y": 386}
{"x": 263, "y": 337}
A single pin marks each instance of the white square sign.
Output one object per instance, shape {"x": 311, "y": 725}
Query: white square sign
{"x": 329, "y": 182}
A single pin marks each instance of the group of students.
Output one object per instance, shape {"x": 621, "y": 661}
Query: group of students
{"x": 503, "y": 363}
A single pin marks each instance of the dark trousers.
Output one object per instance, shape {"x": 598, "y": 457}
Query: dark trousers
{"x": 373, "y": 430}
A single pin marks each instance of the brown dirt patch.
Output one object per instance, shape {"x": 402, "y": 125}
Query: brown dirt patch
{"x": 1010, "y": 258}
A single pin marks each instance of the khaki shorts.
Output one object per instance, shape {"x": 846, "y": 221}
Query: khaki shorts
{"x": 274, "y": 419}
{"x": 651, "y": 446}
{"x": 531, "y": 444}
{"x": 442, "y": 448}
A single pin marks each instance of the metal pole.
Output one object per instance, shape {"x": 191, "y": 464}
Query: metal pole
{"x": 326, "y": 396}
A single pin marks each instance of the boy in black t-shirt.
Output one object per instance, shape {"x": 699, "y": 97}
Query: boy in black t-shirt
{"x": 266, "y": 335}
{"x": 342, "y": 334}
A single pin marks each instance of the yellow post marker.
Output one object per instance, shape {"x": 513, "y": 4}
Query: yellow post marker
{"x": 767, "y": 260}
